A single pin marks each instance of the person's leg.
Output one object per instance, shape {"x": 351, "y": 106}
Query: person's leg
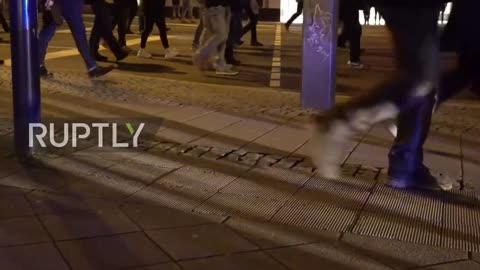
{"x": 44, "y": 37}
{"x": 406, "y": 168}
{"x": 141, "y": 17}
{"x": 149, "y": 22}
{"x": 123, "y": 22}
{"x": 133, "y": 13}
{"x": 251, "y": 21}
{"x": 254, "y": 40}
{"x": 95, "y": 34}
{"x": 414, "y": 32}
{"x": 198, "y": 33}
{"x": 186, "y": 9}
{"x": 4, "y": 22}
{"x": 295, "y": 15}
{"x": 72, "y": 12}
{"x": 354, "y": 36}
{"x": 216, "y": 29}
{"x": 102, "y": 28}
{"x": 233, "y": 38}
{"x": 161, "y": 24}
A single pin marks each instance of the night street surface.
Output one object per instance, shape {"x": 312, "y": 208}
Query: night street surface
{"x": 222, "y": 178}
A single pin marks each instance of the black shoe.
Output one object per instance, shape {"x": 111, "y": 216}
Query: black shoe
{"x": 421, "y": 179}
{"x": 44, "y": 73}
{"x": 2, "y": 62}
{"x": 100, "y": 58}
{"x": 123, "y": 55}
{"x": 256, "y": 44}
{"x": 129, "y": 32}
{"x": 234, "y": 62}
{"x": 99, "y": 72}
{"x": 239, "y": 43}
{"x": 287, "y": 27}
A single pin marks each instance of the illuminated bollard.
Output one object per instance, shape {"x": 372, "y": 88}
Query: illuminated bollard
{"x": 319, "y": 53}
{"x": 25, "y": 72}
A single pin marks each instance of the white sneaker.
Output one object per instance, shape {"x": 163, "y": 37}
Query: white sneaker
{"x": 226, "y": 71}
{"x": 356, "y": 65}
{"x": 170, "y": 53}
{"x": 143, "y": 54}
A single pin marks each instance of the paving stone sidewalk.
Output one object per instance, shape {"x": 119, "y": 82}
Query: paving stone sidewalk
{"x": 222, "y": 180}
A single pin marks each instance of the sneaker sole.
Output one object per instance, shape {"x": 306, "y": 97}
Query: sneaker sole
{"x": 401, "y": 184}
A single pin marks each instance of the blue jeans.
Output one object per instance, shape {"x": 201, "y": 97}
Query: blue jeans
{"x": 72, "y": 12}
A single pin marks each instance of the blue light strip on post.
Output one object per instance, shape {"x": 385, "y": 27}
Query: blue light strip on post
{"x": 25, "y": 72}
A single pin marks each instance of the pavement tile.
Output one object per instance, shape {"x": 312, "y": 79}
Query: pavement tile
{"x": 326, "y": 255}
{"x": 143, "y": 173}
{"x": 14, "y": 206}
{"x": 79, "y": 165}
{"x": 157, "y": 217}
{"x": 283, "y": 138}
{"x": 406, "y": 215}
{"x": 476, "y": 256}
{"x": 197, "y": 178}
{"x": 464, "y": 265}
{"x": 114, "y": 252}
{"x": 8, "y": 167}
{"x": 271, "y": 235}
{"x": 79, "y": 225}
{"x": 371, "y": 152}
{"x": 22, "y": 230}
{"x": 461, "y": 229}
{"x": 167, "y": 196}
{"x": 180, "y": 135}
{"x": 52, "y": 203}
{"x": 345, "y": 192}
{"x": 268, "y": 183}
{"x": 401, "y": 255}
{"x": 104, "y": 184}
{"x": 31, "y": 257}
{"x": 39, "y": 179}
{"x": 200, "y": 241}
{"x": 315, "y": 214}
{"x": 213, "y": 121}
{"x": 183, "y": 114}
{"x": 237, "y": 135}
{"x": 105, "y": 153}
{"x": 7, "y": 190}
{"x": 251, "y": 261}
{"x": 228, "y": 204}
{"x": 163, "y": 266}
{"x": 159, "y": 161}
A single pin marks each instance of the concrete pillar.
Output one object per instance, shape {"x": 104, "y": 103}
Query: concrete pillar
{"x": 319, "y": 53}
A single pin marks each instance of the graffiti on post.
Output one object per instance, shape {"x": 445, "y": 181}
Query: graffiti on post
{"x": 319, "y": 32}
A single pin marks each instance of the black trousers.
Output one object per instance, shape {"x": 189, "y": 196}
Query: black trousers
{"x": 120, "y": 20}
{"x": 252, "y": 25}
{"x": 132, "y": 12}
{"x": 154, "y": 13}
{"x": 296, "y": 14}
{"x": 352, "y": 30}
{"x": 4, "y": 22}
{"x": 464, "y": 39}
{"x": 102, "y": 28}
